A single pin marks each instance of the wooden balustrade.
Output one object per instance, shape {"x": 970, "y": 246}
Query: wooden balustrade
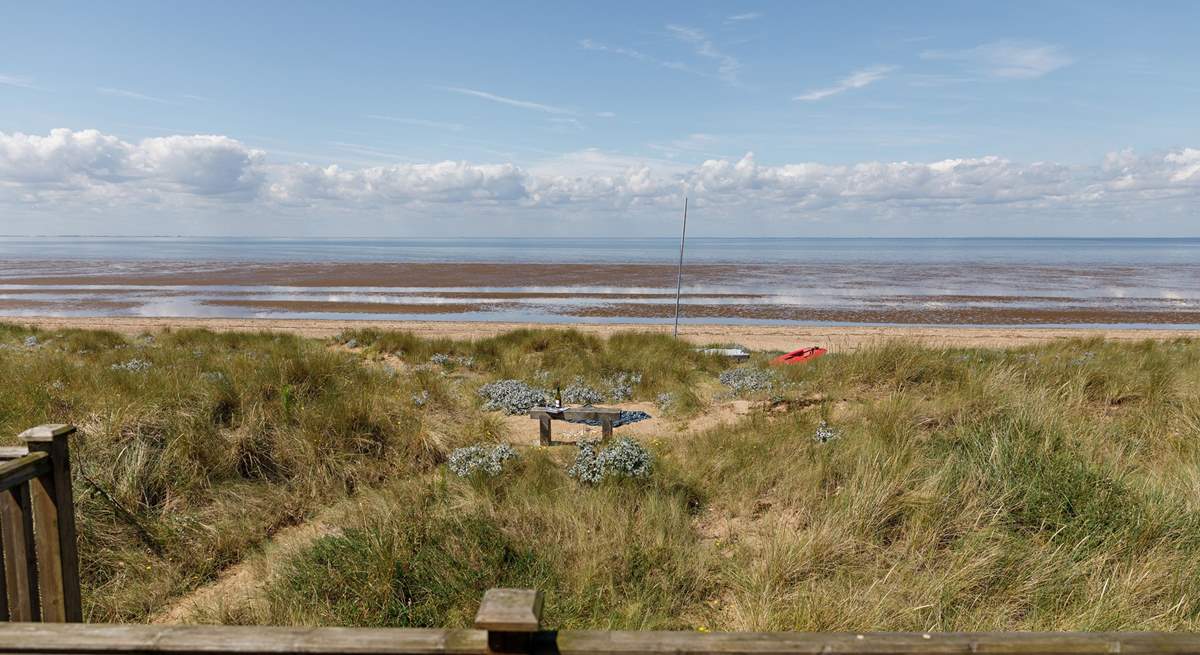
{"x": 38, "y": 559}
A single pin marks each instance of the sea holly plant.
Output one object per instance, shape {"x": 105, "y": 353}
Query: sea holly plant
{"x": 481, "y": 460}
{"x": 624, "y": 459}
{"x": 620, "y": 386}
{"x": 748, "y": 379}
{"x": 579, "y": 393}
{"x": 511, "y": 396}
{"x": 825, "y": 433}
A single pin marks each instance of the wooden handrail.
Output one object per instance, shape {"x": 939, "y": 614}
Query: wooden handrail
{"x": 18, "y": 471}
{"x": 240, "y": 640}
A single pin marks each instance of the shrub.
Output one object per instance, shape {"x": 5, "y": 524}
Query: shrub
{"x": 624, "y": 459}
{"x": 451, "y": 361}
{"x": 748, "y": 379}
{"x": 620, "y": 386}
{"x": 132, "y": 366}
{"x": 471, "y": 460}
{"x": 580, "y": 393}
{"x": 512, "y": 396}
{"x": 825, "y": 434}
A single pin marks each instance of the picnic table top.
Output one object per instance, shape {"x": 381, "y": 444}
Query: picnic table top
{"x": 584, "y": 412}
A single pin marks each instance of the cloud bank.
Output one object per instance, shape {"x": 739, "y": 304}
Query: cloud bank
{"x": 68, "y": 169}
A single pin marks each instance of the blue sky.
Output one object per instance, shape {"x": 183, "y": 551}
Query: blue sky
{"x": 429, "y": 119}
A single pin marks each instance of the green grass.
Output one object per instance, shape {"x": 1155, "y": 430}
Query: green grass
{"x": 1045, "y": 488}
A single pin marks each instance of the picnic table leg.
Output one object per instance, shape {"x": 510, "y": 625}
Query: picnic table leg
{"x": 605, "y": 428}
{"x": 544, "y": 430}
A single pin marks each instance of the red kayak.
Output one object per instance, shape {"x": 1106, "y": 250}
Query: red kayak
{"x": 799, "y": 356}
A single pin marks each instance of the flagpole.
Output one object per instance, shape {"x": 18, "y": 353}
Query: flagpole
{"x": 679, "y": 274}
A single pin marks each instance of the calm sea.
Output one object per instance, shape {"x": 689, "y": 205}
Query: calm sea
{"x": 799, "y": 250}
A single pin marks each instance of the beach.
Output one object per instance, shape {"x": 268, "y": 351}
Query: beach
{"x": 757, "y": 337}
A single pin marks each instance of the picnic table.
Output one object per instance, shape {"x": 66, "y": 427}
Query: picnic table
{"x": 605, "y": 415}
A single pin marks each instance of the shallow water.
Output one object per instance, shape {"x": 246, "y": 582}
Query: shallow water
{"x": 842, "y": 281}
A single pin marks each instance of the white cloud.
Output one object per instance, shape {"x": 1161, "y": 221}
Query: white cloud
{"x": 637, "y": 55}
{"x": 856, "y": 80}
{"x": 88, "y": 162}
{"x": 133, "y": 95}
{"x": 399, "y": 183}
{"x": 750, "y": 15}
{"x": 523, "y": 104}
{"x": 17, "y": 81}
{"x": 728, "y": 66}
{"x": 419, "y": 122}
{"x": 87, "y": 168}
{"x": 1008, "y": 58}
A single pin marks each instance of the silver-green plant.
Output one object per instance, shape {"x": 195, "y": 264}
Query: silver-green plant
{"x": 480, "y": 460}
{"x": 624, "y": 459}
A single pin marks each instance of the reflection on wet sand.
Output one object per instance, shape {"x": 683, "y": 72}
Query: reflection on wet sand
{"x": 899, "y": 293}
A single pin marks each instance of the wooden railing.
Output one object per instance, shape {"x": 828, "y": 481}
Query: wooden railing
{"x": 509, "y": 622}
{"x": 38, "y": 560}
{"x": 37, "y": 527}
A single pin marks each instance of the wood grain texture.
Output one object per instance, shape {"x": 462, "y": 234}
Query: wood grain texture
{"x": 12, "y": 452}
{"x": 20, "y": 565}
{"x": 587, "y": 642}
{"x": 19, "y": 471}
{"x": 185, "y": 639}
{"x": 510, "y": 610}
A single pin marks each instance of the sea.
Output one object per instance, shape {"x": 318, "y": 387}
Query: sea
{"x": 845, "y": 281}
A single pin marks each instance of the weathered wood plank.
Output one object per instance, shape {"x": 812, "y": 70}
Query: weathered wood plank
{"x": 544, "y": 437}
{"x": 19, "y": 471}
{"x": 574, "y": 413}
{"x": 20, "y": 567}
{"x": 100, "y": 638}
{"x": 587, "y": 642}
{"x": 12, "y": 452}
{"x": 188, "y": 639}
{"x": 54, "y": 516}
{"x": 3, "y": 583}
{"x": 510, "y": 610}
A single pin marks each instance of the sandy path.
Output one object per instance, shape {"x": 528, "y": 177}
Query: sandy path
{"x": 236, "y": 585}
{"x": 758, "y": 337}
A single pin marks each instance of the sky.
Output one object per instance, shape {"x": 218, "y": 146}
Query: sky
{"x": 415, "y": 119}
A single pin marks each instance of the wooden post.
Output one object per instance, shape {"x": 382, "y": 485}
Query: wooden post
{"x": 512, "y": 617}
{"x": 54, "y": 518}
{"x": 544, "y": 430}
{"x": 605, "y": 428}
{"x": 20, "y": 567}
{"x": 3, "y": 582}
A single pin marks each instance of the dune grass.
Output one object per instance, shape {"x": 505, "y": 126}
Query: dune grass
{"x": 1042, "y": 488}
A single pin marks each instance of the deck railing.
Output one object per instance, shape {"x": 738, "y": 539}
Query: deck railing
{"x": 40, "y": 582}
{"x": 509, "y": 622}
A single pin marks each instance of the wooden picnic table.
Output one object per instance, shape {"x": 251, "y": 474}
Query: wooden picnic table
{"x": 606, "y": 416}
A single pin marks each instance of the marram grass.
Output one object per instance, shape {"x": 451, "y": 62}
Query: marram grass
{"x": 1047, "y": 488}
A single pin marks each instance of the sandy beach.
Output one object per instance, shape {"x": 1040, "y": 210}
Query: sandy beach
{"x": 758, "y": 337}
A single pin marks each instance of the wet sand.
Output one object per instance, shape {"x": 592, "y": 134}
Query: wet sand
{"x": 758, "y": 337}
{"x": 858, "y": 293}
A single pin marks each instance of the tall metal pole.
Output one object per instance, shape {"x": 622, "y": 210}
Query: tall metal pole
{"x": 679, "y": 274}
